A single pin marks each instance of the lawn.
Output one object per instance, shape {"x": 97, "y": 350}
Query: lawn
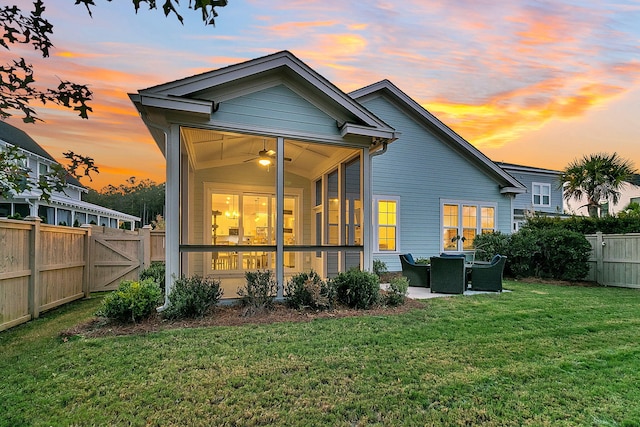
{"x": 542, "y": 355}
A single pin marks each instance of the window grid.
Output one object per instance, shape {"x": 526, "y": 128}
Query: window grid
{"x": 462, "y": 222}
{"x": 541, "y": 194}
{"x": 387, "y": 225}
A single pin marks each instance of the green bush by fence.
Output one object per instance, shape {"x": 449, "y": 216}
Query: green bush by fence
{"x": 553, "y": 252}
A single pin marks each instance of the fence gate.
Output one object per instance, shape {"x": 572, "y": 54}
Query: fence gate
{"x": 114, "y": 257}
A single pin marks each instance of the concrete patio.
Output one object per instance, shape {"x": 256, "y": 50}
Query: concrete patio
{"x": 415, "y": 292}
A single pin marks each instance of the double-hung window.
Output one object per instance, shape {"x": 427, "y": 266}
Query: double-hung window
{"x": 387, "y": 220}
{"x": 541, "y": 194}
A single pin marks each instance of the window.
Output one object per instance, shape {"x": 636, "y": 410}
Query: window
{"x": 488, "y": 219}
{"x": 450, "y": 227}
{"x": 462, "y": 222}
{"x": 240, "y": 217}
{"x": 43, "y": 168}
{"x": 386, "y": 211}
{"x": 541, "y": 194}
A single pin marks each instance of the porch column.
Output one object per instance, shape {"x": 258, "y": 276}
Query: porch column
{"x": 367, "y": 200}
{"x": 172, "y": 206}
{"x": 279, "y": 216}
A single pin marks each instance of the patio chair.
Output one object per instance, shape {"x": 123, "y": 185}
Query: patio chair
{"x": 488, "y": 277}
{"x": 417, "y": 274}
{"x": 469, "y": 259}
{"x": 448, "y": 275}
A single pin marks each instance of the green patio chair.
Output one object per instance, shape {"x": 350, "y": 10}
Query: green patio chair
{"x": 417, "y": 274}
{"x": 488, "y": 277}
{"x": 448, "y": 275}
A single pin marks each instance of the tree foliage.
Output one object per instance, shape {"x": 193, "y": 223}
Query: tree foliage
{"x": 18, "y": 91}
{"x": 596, "y": 177}
{"x": 143, "y": 198}
{"x": 16, "y": 177}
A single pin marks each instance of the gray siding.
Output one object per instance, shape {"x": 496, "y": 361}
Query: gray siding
{"x": 525, "y": 200}
{"x": 277, "y": 107}
{"x": 423, "y": 170}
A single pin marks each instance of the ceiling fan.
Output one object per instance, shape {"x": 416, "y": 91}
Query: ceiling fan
{"x": 266, "y": 157}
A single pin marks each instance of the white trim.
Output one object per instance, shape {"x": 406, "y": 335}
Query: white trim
{"x": 375, "y": 221}
{"x": 478, "y": 204}
{"x": 540, "y": 194}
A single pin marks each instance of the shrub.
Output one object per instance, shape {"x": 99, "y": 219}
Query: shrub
{"x": 258, "y": 293}
{"x": 548, "y": 252}
{"x": 309, "y": 290}
{"x": 585, "y": 225}
{"x": 132, "y": 301}
{"x": 423, "y": 261}
{"x": 379, "y": 267}
{"x": 565, "y": 254}
{"x": 397, "y": 291}
{"x": 155, "y": 271}
{"x": 489, "y": 244}
{"x": 357, "y": 289}
{"x": 192, "y": 297}
{"x": 523, "y": 253}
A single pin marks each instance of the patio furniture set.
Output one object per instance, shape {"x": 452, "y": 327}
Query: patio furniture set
{"x": 454, "y": 273}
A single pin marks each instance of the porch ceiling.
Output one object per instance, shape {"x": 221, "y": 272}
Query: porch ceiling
{"x": 212, "y": 149}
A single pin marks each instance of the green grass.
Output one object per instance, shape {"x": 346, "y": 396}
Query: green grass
{"x": 541, "y": 355}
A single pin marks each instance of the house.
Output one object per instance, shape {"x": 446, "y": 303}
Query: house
{"x": 433, "y": 191}
{"x": 63, "y": 208}
{"x": 544, "y": 194}
{"x": 268, "y": 167}
{"x": 271, "y": 166}
{"x": 629, "y": 192}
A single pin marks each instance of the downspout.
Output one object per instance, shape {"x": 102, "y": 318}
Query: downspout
{"x": 380, "y": 152}
{"x": 165, "y": 132}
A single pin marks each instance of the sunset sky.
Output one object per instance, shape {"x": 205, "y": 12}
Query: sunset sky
{"x": 537, "y": 83}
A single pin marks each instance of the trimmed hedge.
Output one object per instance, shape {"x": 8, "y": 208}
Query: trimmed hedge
{"x": 555, "y": 253}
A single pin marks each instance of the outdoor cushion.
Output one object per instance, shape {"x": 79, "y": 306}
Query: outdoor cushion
{"x": 417, "y": 274}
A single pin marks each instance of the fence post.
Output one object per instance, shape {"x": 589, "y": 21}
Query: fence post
{"x": 88, "y": 262}
{"x": 145, "y": 233}
{"x": 34, "y": 265}
{"x": 599, "y": 258}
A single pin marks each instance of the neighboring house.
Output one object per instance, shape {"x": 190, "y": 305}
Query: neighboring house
{"x": 629, "y": 192}
{"x": 271, "y": 166}
{"x": 543, "y": 196}
{"x": 63, "y": 208}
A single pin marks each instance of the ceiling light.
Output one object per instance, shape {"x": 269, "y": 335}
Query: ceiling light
{"x": 264, "y": 161}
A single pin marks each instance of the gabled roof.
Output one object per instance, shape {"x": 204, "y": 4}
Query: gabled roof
{"x": 509, "y": 183}
{"x": 182, "y": 95}
{"x": 21, "y": 139}
{"x": 530, "y": 169}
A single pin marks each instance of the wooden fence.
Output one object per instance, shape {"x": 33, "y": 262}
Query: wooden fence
{"x": 615, "y": 259}
{"x": 44, "y": 266}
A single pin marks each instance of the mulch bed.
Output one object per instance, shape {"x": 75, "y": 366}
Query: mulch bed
{"x": 226, "y": 315}
{"x": 234, "y": 315}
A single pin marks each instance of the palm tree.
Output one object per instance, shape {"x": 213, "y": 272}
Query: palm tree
{"x": 598, "y": 177}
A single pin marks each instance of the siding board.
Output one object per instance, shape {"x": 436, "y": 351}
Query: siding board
{"x": 422, "y": 170}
